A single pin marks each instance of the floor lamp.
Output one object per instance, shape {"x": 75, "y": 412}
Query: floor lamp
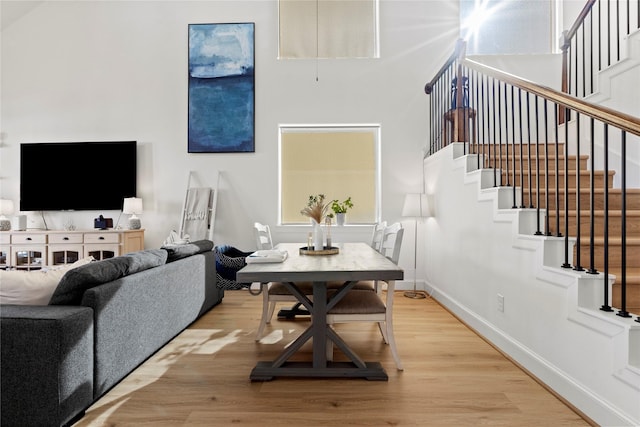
{"x": 415, "y": 206}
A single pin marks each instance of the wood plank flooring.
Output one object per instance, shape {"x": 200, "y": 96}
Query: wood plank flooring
{"x": 451, "y": 377}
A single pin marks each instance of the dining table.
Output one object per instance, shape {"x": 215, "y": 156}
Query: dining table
{"x": 346, "y": 263}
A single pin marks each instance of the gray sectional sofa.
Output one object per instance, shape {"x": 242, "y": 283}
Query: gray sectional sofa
{"x": 104, "y": 319}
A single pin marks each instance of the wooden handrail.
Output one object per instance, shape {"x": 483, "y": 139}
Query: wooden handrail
{"x": 613, "y": 117}
{"x": 576, "y": 25}
{"x": 458, "y": 53}
{"x": 566, "y": 44}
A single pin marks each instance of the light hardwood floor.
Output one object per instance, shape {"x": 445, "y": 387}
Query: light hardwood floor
{"x": 451, "y": 377}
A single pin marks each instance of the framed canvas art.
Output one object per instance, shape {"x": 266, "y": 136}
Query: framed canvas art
{"x": 221, "y": 88}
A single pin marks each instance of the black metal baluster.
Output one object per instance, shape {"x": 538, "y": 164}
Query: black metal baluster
{"x": 618, "y": 31}
{"x": 566, "y": 263}
{"x": 536, "y": 111}
{"x": 577, "y": 71}
{"x": 584, "y": 67}
{"x": 592, "y": 227}
{"x": 591, "y": 51}
{"x": 623, "y": 232}
{"x": 577, "y": 266}
{"x": 608, "y": 34}
{"x": 605, "y": 305}
{"x": 498, "y": 163}
{"x": 557, "y": 171}
{"x": 486, "y": 121}
{"x": 529, "y": 152}
{"x": 546, "y": 168}
{"x": 481, "y": 131}
{"x": 628, "y": 17}
{"x": 513, "y": 146}
{"x": 521, "y": 149}
{"x": 475, "y": 104}
{"x": 506, "y": 139}
{"x": 599, "y": 36}
{"x": 492, "y": 161}
{"x": 465, "y": 127}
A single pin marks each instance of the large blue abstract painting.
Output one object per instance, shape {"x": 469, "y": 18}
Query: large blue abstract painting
{"x": 221, "y": 88}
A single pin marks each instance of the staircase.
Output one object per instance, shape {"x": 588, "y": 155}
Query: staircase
{"x": 486, "y": 264}
{"x": 529, "y": 183}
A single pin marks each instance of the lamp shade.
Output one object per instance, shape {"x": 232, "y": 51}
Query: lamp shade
{"x": 415, "y": 205}
{"x": 6, "y": 207}
{"x": 132, "y": 205}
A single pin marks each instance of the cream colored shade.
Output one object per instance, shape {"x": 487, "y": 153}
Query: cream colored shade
{"x": 132, "y": 205}
{"x": 328, "y": 28}
{"x": 336, "y": 162}
{"x": 415, "y": 205}
{"x": 6, "y": 207}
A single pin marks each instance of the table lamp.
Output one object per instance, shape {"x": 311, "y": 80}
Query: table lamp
{"x": 133, "y": 206}
{"x": 415, "y": 206}
{"x": 6, "y": 208}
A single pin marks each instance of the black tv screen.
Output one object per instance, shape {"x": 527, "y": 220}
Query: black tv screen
{"x": 62, "y": 176}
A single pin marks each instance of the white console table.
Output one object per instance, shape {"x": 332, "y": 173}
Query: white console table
{"x": 34, "y": 249}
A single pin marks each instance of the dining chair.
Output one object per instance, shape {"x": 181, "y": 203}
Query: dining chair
{"x": 262, "y": 234}
{"x": 366, "y": 306}
{"x": 276, "y": 292}
{"x": 378, "y": 232}
{"x": 272, "y": 292}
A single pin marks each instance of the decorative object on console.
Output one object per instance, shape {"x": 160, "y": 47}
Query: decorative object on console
{"x": 415, "y": 206}
{"x": 133, "y": 206}
{"x": 102, "y": 223}
{"x": 6, "y": 208}
{"x": 19, "y": 223}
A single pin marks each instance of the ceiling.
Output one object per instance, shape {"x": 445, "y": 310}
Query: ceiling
{"x": 13, "y": 10}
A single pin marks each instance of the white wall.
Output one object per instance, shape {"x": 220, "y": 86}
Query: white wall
{"x": 88, "y": 70}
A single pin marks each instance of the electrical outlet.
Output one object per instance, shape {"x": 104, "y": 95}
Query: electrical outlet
{"x": 500, "y": 303}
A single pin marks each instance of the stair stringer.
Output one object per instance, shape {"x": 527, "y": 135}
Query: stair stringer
{"x": 592, "y": 358}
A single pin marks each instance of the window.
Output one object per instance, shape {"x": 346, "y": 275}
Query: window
{"x": 508, "y": 27}
{"x": 337, "y": 161}
{"x": 328, "y": 29}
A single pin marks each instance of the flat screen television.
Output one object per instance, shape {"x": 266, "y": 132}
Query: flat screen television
{"x": 61, "y": 176}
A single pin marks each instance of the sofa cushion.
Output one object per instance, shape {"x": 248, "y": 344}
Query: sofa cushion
{"x": 143, "y": 260}
{"x": 33, "y": 287}
{"x": 176, "y": 252}
{"x": 73, "y": 284}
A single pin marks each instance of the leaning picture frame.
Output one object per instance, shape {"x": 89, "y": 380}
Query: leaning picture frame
{"x": 221, "y": 116}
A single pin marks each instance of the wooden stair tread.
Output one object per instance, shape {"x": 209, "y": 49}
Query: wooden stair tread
{"x": 613, "y": 240}
{"x": 561, "y": 172}
{"x": 597, "y": 212}
{"x": 599, "y": 190}
{"x": 541, "y": 156}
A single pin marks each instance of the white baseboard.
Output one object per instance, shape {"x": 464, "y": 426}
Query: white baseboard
{"x": 579, "y": 397}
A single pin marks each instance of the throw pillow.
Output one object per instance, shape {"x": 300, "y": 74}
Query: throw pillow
{"x": 176, "y": 252}
{"x": 72, "y": 286}
{"x": 33, "y": 287}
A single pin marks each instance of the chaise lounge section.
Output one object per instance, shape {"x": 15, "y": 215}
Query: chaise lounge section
{"x": 104, "y": 319}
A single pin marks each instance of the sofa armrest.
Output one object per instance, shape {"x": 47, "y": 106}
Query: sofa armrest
{"x": 46, "y": 364}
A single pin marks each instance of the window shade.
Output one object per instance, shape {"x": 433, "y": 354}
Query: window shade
{"x": 328, "y": 28}
{"x": 337, "y": 162}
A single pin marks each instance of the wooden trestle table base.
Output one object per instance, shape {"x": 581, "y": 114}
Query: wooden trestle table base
{"x": 354, "y": 262}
